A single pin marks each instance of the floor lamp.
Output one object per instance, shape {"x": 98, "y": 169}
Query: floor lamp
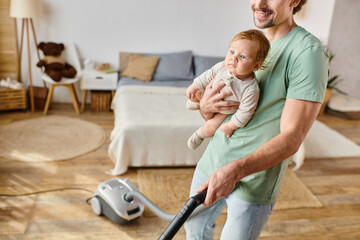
{"x": 27, "y": 10}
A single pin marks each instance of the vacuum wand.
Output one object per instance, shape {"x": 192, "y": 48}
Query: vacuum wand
{"x": 183, "y": 215}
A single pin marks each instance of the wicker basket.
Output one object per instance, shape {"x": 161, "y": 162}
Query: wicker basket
{"x": 12, "y": 98}
{"x": 100, "y": 101}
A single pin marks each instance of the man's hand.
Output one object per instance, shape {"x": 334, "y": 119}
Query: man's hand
{"x": 220, "y": 184}
{"x": 212, "y": 100}
{"x": 228, "y": 128}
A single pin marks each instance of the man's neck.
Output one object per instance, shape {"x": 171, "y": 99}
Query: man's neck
{"x": 276, "y": 32}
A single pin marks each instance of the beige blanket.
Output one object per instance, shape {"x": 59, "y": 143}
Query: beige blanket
{"x": 152, "y": 126}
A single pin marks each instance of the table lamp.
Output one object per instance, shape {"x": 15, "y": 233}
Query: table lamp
{"x": 27, "y": 10}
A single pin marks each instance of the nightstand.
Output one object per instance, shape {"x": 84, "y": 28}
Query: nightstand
{"x": 95, "y": 80}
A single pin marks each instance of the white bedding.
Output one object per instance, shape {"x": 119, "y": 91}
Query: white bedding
{"x": 152, "y": 126}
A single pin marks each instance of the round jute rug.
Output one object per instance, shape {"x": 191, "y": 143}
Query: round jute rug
{"x": 50, "y": 138}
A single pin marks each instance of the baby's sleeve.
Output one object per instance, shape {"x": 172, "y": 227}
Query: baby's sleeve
{"x": 205, "y": 78}
{"x": 247, "y": 107}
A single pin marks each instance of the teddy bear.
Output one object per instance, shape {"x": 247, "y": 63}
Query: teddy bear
{"x": 55, "y": 66}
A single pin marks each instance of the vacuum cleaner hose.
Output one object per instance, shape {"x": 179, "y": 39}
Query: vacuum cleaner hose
{"x": 155, "y": 209}
{"x": 183, "y": 215}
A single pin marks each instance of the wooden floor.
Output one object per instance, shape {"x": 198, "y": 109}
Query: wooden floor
{"x": 65, "y": 214}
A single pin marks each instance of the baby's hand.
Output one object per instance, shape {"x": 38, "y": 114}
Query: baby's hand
{"x": 228, "y": 128}
{"x": 191, "y": 92}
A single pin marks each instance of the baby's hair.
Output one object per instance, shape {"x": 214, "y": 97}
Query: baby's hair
{"x": 259, "y": 37}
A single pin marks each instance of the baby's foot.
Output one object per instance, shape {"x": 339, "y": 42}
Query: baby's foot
{"x": 196, "y": 139}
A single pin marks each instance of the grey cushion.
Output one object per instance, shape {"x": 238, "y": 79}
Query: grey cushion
{"x": 173, "y": 66}
{"x": 203, "y": 63}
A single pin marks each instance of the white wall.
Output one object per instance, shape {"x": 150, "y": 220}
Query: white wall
{"x": 103, "y": 28}
{"x": 344, "y": 44}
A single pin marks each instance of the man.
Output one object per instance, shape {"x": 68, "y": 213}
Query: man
{"x": 245, "y": 171}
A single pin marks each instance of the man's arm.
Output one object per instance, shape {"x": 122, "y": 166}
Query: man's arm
{"x": 296, "y": 120}
{"x": 211, "y": 101}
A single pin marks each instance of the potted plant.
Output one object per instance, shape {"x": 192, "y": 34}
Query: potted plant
{"x": 334, "y": 80}
{"x": 331, "y": 85}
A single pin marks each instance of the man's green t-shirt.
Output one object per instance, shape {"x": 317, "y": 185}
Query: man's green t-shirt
{"x": 296, "y": 67}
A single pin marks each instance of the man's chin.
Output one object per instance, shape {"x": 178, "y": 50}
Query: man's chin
{"x": 263, "y": 24}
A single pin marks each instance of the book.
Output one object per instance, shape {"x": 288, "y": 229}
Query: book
{"x": 107, "y": 71}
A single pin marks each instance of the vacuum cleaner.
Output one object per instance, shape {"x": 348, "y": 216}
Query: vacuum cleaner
{"x": 122, "y": 202}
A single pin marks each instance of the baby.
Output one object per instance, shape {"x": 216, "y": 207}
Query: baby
{"x": 247, "y": 53}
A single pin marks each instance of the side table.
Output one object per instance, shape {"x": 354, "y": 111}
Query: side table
{"x": 95, "y": 80}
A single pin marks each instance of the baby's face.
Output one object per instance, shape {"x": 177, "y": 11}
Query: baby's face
{"x": 241, "y": 58}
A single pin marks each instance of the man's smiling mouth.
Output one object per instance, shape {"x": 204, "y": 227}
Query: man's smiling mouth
{"x": 262, "y": 14}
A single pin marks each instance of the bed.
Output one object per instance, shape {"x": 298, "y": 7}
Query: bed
{"x": 152, "y": 124}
